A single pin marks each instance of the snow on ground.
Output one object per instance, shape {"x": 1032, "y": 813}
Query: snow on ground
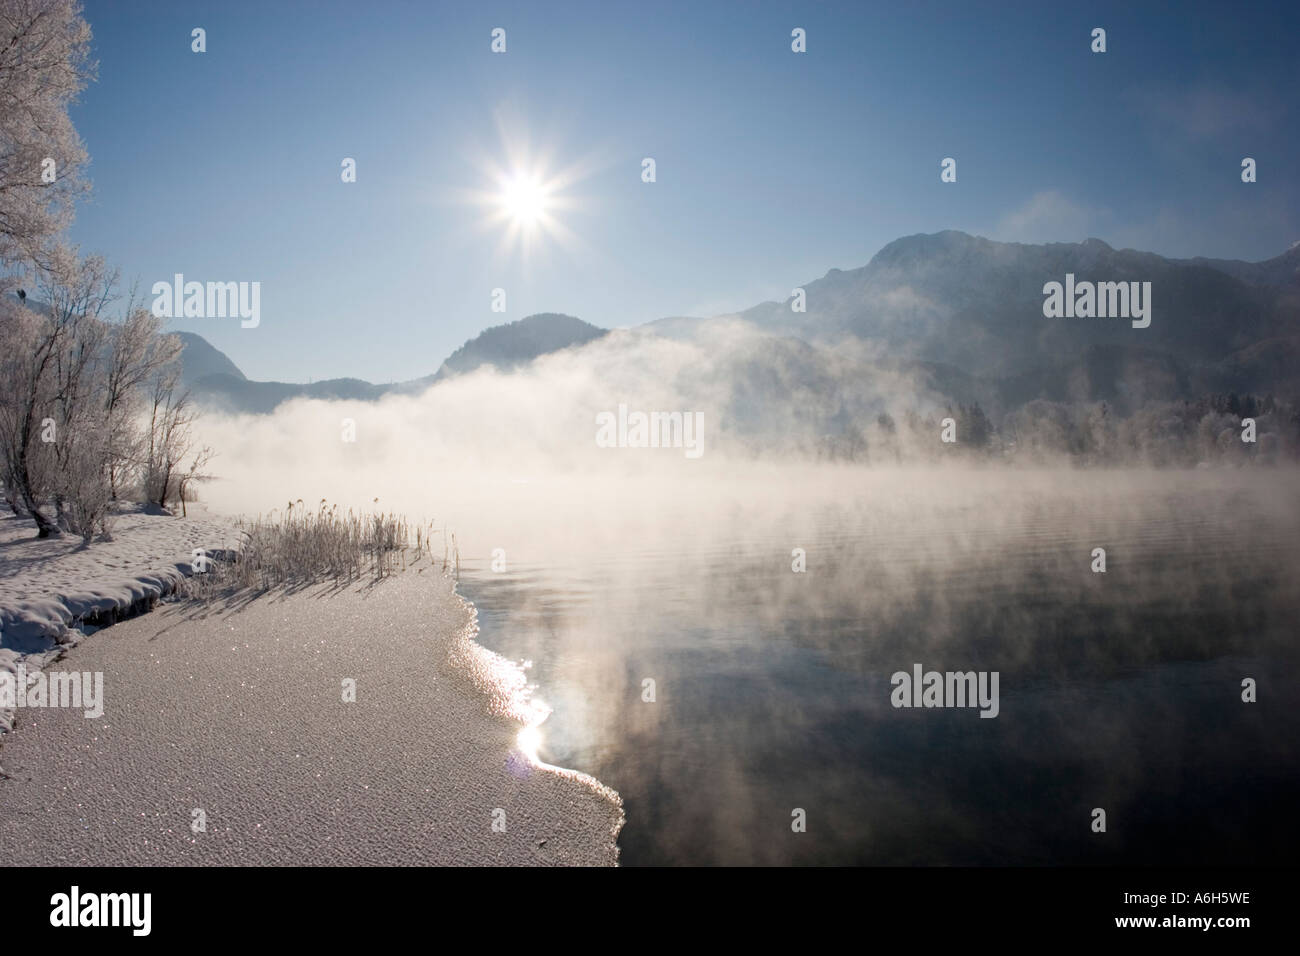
{"x": 47, "y": 586}
{"x": 237, "y": 710}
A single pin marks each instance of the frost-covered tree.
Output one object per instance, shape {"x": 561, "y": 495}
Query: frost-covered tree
{"x": 27, "y": 357}
{"x": 52, "y": 380}
{"x": 44, "y": 65}
{"x": 138, "y": 350}
{"x": 75, "y": 292}
{"x": 88, "y": 407}
{"x": 171, "y": 414}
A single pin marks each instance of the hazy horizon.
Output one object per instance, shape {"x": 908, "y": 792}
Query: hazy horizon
{"x": 240, "y": 350}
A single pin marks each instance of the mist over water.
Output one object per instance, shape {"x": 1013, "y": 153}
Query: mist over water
{"x": 1119, "y": 690}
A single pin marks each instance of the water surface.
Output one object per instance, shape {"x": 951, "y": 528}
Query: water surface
{"x": 1119, "y": 691}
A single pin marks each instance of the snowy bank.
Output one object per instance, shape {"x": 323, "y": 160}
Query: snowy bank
{"x": 316, "y": 727}
{"x": 52, "y": 590}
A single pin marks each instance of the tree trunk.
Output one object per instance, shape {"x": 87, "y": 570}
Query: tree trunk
{"x": 23, "y": 492}
{"x": 44, "y": 526}
{"x": 162, "y": 488}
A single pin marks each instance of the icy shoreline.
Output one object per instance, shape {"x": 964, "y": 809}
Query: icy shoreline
{"x": 230, "y": 700}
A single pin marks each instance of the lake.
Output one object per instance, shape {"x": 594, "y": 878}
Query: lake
{"x": 1120, "y": 691}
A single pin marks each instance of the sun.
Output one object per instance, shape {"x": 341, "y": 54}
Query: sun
{"x": 525, "y": 200}
{"x": 526, "y": 204}
{"x": 525, "y": 196}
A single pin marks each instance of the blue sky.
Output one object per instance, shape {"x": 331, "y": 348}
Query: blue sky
{"x": 772, "y": 167}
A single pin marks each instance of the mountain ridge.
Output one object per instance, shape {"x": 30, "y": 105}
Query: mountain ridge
{"x": 967, "y": 305}
{"x": 505, "y": 347}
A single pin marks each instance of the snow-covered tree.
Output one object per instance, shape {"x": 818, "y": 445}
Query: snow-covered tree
{"x": 44, "y": 65}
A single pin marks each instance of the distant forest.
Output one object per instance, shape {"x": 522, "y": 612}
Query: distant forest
{"x": 1212, "y": 430}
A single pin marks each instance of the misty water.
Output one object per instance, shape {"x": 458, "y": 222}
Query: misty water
{"x": 1119, "y": 690}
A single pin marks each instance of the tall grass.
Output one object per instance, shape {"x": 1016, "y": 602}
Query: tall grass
{"x": 299, "y": 546}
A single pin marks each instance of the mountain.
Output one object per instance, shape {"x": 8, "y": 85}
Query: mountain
{"x": 953, "y": 314}
{"x": 506, "y": 347}
{"x": 217, "y": 382}
{"x": 978, "y": 304}
{"x": 228, "y": 393}
{"x": 200, "y": 359}
{"x": 1124, "y": 376}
